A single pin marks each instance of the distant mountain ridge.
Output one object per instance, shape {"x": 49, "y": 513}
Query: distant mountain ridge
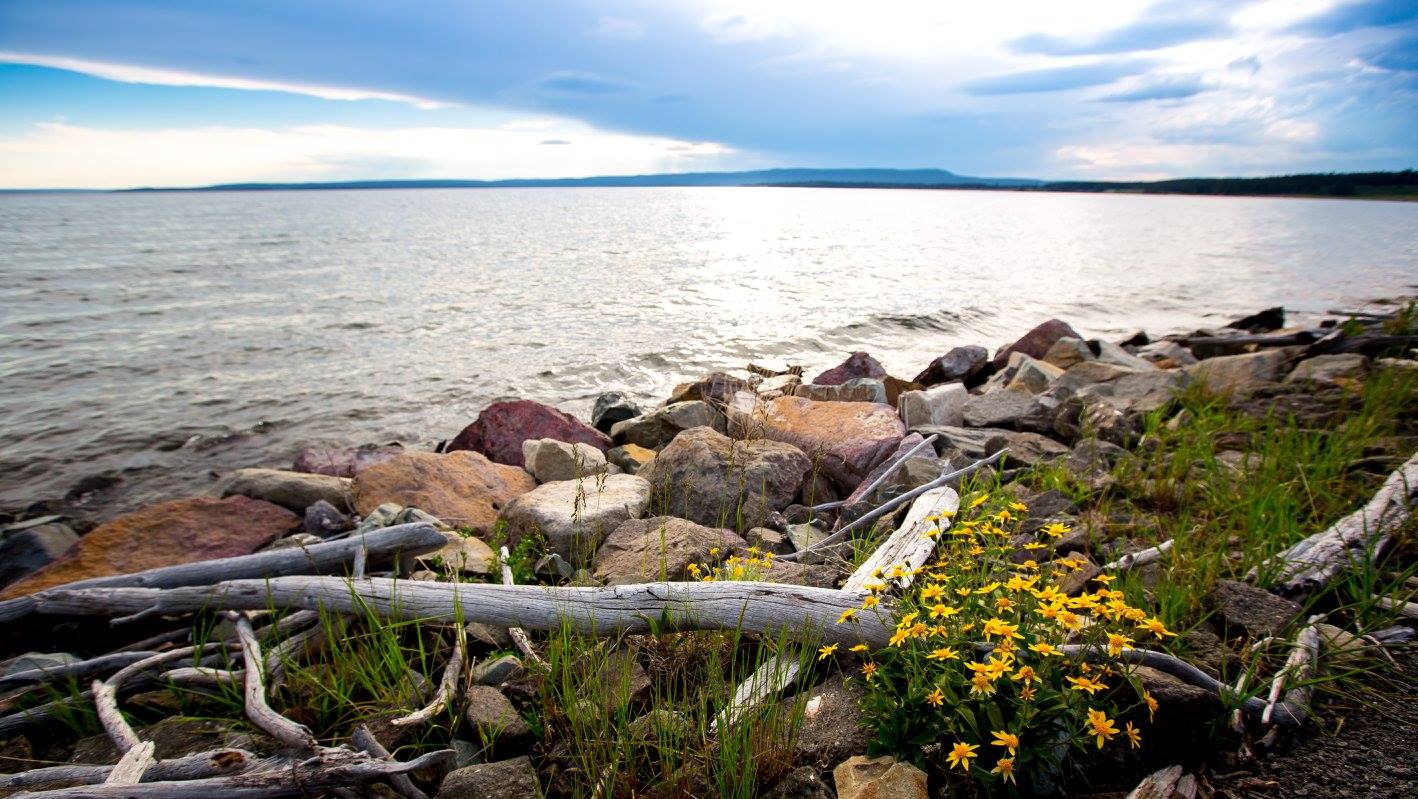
{"x": 757, "y": 177}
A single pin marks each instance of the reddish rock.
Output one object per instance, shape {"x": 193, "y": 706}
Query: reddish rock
{"x": 501, "y": 428}
{"x": 858, "y": 364}
{"x": 1036, "y": 342}
{"x": 346, "y": 462}
{"x": 166, "y": 534}
{"x": 463, "y": 489}
{"x": 844, "y": 439}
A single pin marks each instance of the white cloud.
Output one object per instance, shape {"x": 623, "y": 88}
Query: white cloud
{"x": 128, "y": 73}
{"x": 618, "y": 28}
{"x": 55, "y": 155}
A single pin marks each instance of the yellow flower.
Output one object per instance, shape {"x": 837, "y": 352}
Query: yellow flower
{"x": 899, "y": 637}
{"x": 978, "y": 501}
{"x": 1027, "y": 693}
{"x": 875, "y": 586}
{"x": 870, "y": 602}
{"x": 859, "y": 648}
{"x": 985, "y": 589}
{"x": 934, "y": 532}
{"x": 1006, "y": 739}
{"x": 1151, "y": 705}
{"x": 964, "y": 591}
{"x": 980, "y": 685}
{"x": 931, "y": 592}
{"x": 1100, "y": 726}
{"x": 1003, "y": 603}
{"x": 961, "y": 754}
{"x": 943, "y": 611}
{"x": 714, "y": 552}
{"x": 1004, "y": 768}
{"x": 1026, "y": 675}
{"x": 936, "y": 698}
{"x": 1033, "y": 545}
{"x": 1134, "y": 736}
{"x": 943, "y": 653}
{"x": 869, "y": 670}
{"x": 1155, "y": 626}
{"x": 1047, "y": 650}
{"x": 1001, "y": 628}
{"x": 847, "y": 615}
{"x": 1116, "y": 643}
{"x": 826, "y": 651}
{"x": 1019, "y": 506}
{"x": 1088, "y": 684}
{"x": 1055, "y": 529}
{"x": 1105, "y": 578}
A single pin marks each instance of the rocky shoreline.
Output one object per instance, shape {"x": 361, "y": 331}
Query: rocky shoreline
{"x": 760, "y": 462}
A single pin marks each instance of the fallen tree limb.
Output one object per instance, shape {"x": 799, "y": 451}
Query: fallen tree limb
{"x": 519, "y": 635}
{"x": 1169, "y": 783}
{"x": 365, "y": 741}
{"x": 332, "y": 769}
{"x": 415, "y": 538}
{"x": 1136, "y": 559}
{"x": 447, "y": 687}
{"x": 77, "y": 671}
{"x": 1297, "y": 670}
{"x": 191, "y": 767}
{"x": 267, "y": 720}
{"x": 1359, "y": 537}
{"x": 132, "y": 765}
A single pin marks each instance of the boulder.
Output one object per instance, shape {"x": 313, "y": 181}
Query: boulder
{"x": 709, "y": 478}
{"x": 1025, "y": 449}
{"x": 658, "y": 427}
{"x": 895, "y": 387}
{"x": 1032, "y": 376}
{"x": 844, "y": 439}
{"x": 968, "y": 441}
{"x": 858, "y": 389}
{"x": 660, "y": 548}
{"x": 611, "y": 407}
{"x": 858, "y": 364}
{"x": 505, "y": 779}
{"x": 291, "y": 490}
{"x": 463, "y": 489}
{"x": 28, "y": 549}
{"x": 1242, "y": 374}
{"x": 1068, "y": 351}
{"x": 166, "y": 534}
{"x": 550, "y": 460}
{"x": 1254, "y": 611}
{"x": 960, "y": 364}
{"x": 1166, "y": 354}
{"x": 465, "y": 554}
{"x": 325, "y": 520}
{"x": 346, "y": 462}
{"x": 501, "y": 428}
{"x": 715, "y": 388}
{"x": 1004, "y": 408}
{"x": 630, "y": 457}
{"x": 494, "y": 718}
{"x": 882, "y": 777}
{"x": 1036, "y": 342}
{"x": 831, "y": 730}
{"x": 1330, "y": 369}
{"x": 1261, "y": 321}
{"x": 1129, "y": 390}
{"x": 575, "y": 515}
{"x": 939, "y": 405}
{"x": 1108, "y": 352}
{"x": 779, "y": 385}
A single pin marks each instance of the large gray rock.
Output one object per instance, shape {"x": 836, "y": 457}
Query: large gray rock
{"x": 492, "y": 716}
{"x": 505, "y": 779}
{"x": 611, "y": 407}
{"x": 1003, "y": 408}
{"x": 969, "y": 441}
{"x": 1128, "y": 390}
{"x": 706, "y": 477}
{"x": 1242, "y": 374}
{"x": 1032, "y": 376}
{"x": 658, "y": 427}
{"x": 1255, "y": 611}
{"x": 1108, "y": 352}
{"x": 939, "y": 405}
{"x": 291, "y": 490}
{"x": 1329, "y": 369}
{"x": 325, "y": 520}
{"x": 858, "y": 389}
{"x": 30, "y": 548}
{"x": 659, "y": 548}
{"x": 961, "y": 363}
{"x": 550, "y": 460}
{"x": 576, "y": 515}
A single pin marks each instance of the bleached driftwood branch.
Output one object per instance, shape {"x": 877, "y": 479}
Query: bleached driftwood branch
{"x": 1297, "y": 670}
{"x": 518, "y": 635}
{"x": 1142, "y": 558}
{"x": 1357, "y": 538}
{"x": 284, "y": 730}
{"x": 1169, "y": 783}
{"x": 77, "y": 671}
{"x": 365, "y": 741}
{"x": 132, "y": 765}
{"x": 190, "y": 767}
{"x": 447, "y": 687}
{"x": 415, "y": 538}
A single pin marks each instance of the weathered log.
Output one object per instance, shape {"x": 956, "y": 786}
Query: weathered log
{"x": 1408, "y": 609}
{"x": 190, "y": 767}
{"x": 365, "y": 741}
{"x": 332, "y": 769}
{"x": 1359, "y": 537}
{"x": 1169, "y": 783}
{"x": 132, "y": 765}
{"x": 519, "y": 635}
{"x": 1371, "y": 345}
{"x": 415, "y": 538}
{"x": 1260, "y": 340}
{"x": 1142, "y": 558}
{"x": 266, "y": 719}
{"x": 447, "y": 687}
{"x": 77, "y": 671}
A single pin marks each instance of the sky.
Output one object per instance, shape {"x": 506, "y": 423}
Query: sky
{"x": 123, "y": 93}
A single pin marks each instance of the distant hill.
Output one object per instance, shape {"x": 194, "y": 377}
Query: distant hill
{"x": 932, "y": 178}
{"x": 1396, "y": 185}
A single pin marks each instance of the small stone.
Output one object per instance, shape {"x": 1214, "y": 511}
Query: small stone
{"x": 1032, "y": 376}
{"x": 505, "y": 779}
{"x": 30, "y": 548}
{"x": 1111, "y": 353}
{"x": 831, "y": 729}
{"x": 550, "y": 460}
{"x": 465, "y": 554}
{"x": 630, "y": 457}
{"x": 803, "y": 536}
{"x": 769, "y": 540}
{"x": 611, "y": 407}
{"x": 489, "y": 635}
{"x": 804, "y": 782}
{"x": 623, "y": 679}
{"x": 940, "y": 405}
{"x": 324, "y": 520}
{"x": 879, "y": 778}
{"x": 296, "y": 541}
{"x": 492, "y": 716}
{"x": 497, "y": 672}
{"x": 1166, "y": 354}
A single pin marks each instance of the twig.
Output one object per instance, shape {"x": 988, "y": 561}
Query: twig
{"x": 881, "y": 478}
{"x": 1297, "y": 669}
{"x": 519, "y": 636}
{"x": 367, "y": 743}
{"x": 447, "y": 687}
{"x": 267, "y": 720}
{"x": 132, "y": 765}
{"x": 1142, "y": 558}
{"x": 117, "y": 727}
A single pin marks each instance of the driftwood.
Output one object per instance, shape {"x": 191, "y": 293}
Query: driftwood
{"x": 447, "y": 687}
{"x": 415, "y": 538}
{"x": 519, "y": 635}
{"x": 191, "y": 767}
{"x": 365, "y": 741}
{"x": 132, "y": 765}
{"x": 895, "y": 466}
{"x": 76, "y": 671}
{"x": 1136, "y": 559}
{"x": 1297, "y": 670}
{"x": 1169, "y": 783}
{"x": 1409, "y": 609}
{"x": 1300, "y": 337}
{"x": 1358, "y": 538}
{"x": 333, "y": 768}
{"x": 267, "y": 720}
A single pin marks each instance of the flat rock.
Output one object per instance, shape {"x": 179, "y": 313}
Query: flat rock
{"x": 1242, "y": 374}
{"x": 1036, "y": 342}
{"x": 711, "y": 479}
{"x": 659, "y": 548}
{"x": 497, "y": 672}
{"x": 501, "y": 428}
{"x": 939, "y": 405}
{"x": 1330, "y": 369}
{"x": 969, "y": 441}
{"x": 1068, "y": 351}
{"x": 858, "y": 389}
{"x": 961, "y": 363}
{"x": 31, "y": 548}
{"x": 1026, "y": 449}
{"x": 550, "y": 460}
{"x": 883, "y": 777}
{"x": 294, "y": 491}
{"x": 1031, "y": 375}
{"x": 1003, "y": 408}
{"x": 658, "y": 427}
{"x": 1128, "y": 390}
{"x": 611, "y": 407}
{"x": 464, "y": 489}
{"x": 345, "y": 462}
{"x": 576, "y": 515}
{"x": 858, "y": 364}
{"x": 1256, "y": 611}
{"x": 505, "y": 779}
{"x": 165, "y": 534}
{"x": 631, "y": 458}
{"x": 843, "y": 439}
{"x": 715, "y": 388}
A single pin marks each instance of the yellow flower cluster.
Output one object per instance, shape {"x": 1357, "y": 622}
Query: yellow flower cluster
{"x": 751, "y": 566}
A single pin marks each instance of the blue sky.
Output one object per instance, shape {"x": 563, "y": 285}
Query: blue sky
{"x": 113, "y": 93}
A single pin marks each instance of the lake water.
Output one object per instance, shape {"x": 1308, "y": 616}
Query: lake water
{"x": 158, "y": 338}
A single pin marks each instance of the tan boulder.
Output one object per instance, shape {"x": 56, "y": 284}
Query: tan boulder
{"x": 884, "y": 777}
{"x": 166, "y": 534}
{"x": 463, "y": 489}
{"x": 844, "y": 439}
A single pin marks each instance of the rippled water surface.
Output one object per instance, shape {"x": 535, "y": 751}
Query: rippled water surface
{"x": 157, "y": 338}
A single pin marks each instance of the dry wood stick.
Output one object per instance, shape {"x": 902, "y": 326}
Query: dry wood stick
{"x": 519, "y": 635}
{"x": 447, "y": 687}
{"x": 190, "y": 767}
{"x": 367, "y": 743}
{"x": 79, "y": 670}
{"x": 1297, "y": 669}
{"x": 267, "y": 720}
{"x": 1142, "y": 558}
{"x": 132, "y": 765}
